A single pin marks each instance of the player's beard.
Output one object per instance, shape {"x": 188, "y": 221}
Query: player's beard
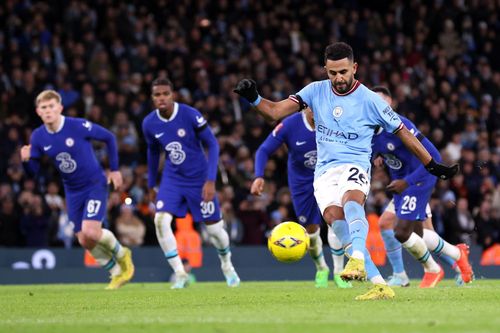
{"x": 343, "y": 87}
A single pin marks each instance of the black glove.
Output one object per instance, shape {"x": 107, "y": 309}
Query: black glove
{"x": 442, "y": 171}
{"x": 247, "y": 88}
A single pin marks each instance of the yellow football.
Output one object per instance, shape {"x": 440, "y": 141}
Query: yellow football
{"x": 288, "y": 242}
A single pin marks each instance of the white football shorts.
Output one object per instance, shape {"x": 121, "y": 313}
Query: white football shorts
{"x": 329, "y": 188}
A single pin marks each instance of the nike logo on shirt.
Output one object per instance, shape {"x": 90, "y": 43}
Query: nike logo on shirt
{"x": 300, "y": 143}
{"x": 159, "y": 135}
{"x": 45, "y": 148}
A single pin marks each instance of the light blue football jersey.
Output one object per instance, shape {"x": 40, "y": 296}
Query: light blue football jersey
{"x": 346, "y": 123}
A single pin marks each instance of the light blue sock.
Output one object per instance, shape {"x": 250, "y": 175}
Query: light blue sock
{"x": 394, "y": 252}
{"x": 358, "y": 225}
{"x": 341, "y": 230}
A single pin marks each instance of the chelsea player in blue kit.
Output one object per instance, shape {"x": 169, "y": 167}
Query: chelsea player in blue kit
{"x": 188, "y": 179}
{"x": 67, "y": 141}
{"x": 346, "y": 114}
{"x": 297, "y": 132}
{"x": 409, "y": 213}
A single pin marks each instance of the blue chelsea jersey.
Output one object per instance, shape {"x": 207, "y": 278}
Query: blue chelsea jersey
{"x": 70, "y": 149}
{"x": 345, "y": 123}
{"x": 299, "y": 137}
{"x": 402, "y": 164}
{"x": 178, "y": 136}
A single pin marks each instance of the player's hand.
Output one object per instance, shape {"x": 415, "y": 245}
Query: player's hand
{"x": 258, "y": 186}
{"x": 208, "y": 191}
{"x": 378, "y": 161}
{"x": 397, "y": 186}
{"x": 442, "y": 171}
{"x": 247, "y": 89}
{"x": 115, "y": 177}
{"x": 152, "y": 194}
{"x": 25, "y": 153}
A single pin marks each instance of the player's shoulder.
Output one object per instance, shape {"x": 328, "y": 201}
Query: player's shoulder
{"x": 77, "y": 124}
{"x": 188, "y": 110}
{"x": 293, "y": 120}
{"x": 149, "y": 117}
{"x": 370, "y": 94}
{"x": 71, "y": 121}
{"x": 319, "y": 84}
{"x": 38, "y": 131}
{"x": 193, "y": 115}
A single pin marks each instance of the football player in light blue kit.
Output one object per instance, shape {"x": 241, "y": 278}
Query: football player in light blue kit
{"x": 188, "y": 179}
{"x": 346, "y": 114}
{"x": 297, "y": 132}
{"x": 67, "y": 141}
{"x": 408, "y": 212}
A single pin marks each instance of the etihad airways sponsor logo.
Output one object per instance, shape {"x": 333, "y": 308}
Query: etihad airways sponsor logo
{"x": 335, "y": 133}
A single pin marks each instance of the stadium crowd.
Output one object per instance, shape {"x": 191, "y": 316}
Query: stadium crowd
{"x": 440, "y": 59}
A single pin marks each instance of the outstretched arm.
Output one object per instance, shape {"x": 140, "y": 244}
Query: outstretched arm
{"x": 247, "y": 89}
{"x": 414, "y": 146}
{"x": 417, "y": 149}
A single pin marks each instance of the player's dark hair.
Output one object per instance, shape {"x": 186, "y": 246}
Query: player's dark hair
{"x": 162, "y": 81}
{"x": 383, "y": 90}
{"x": 339, "y": 50}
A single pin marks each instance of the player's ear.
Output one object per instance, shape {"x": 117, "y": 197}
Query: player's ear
{"x": 354, "y": 67}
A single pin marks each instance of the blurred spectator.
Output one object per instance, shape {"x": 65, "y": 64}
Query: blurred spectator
{"x": 10, "y": 231}
{"x": 488, "y": 229}
{"x": 34, "y": 221}
{"x": 458, "y": 221}
{"x": 56, "y": 205}
{"x": 130, "y": 230}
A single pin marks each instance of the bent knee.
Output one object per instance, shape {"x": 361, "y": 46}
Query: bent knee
{"x": 387, "y": 221}
{"x": 333, "y": 213}
{"x": 402, "y": 234}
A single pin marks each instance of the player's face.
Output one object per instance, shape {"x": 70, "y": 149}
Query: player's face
{"x": 341, "y": 74}
{"x": 386, "y": 98}
{"x": 49, "y": 110}
{"x": 163, "y": 98}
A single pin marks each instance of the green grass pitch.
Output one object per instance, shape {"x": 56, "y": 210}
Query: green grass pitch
{"x": 253, "y": 307}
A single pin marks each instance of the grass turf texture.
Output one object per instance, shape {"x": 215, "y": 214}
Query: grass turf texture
{"x": 254, "y": 307}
